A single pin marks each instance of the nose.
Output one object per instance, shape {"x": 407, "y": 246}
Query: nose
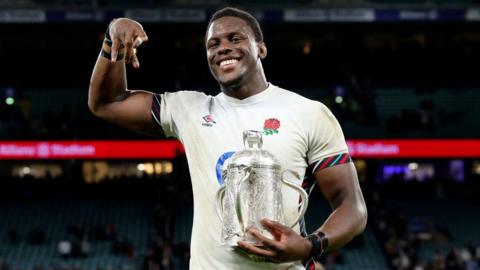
{"x": 224, "y": 49}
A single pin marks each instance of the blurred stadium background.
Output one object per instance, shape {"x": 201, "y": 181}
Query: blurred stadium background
{"x": 402, "y": 77}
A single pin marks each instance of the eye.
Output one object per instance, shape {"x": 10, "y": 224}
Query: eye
{"x": 236, "y": 39}
{"x": 212, "y": 45}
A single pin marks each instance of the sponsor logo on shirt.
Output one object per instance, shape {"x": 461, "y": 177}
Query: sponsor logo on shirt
{"x": 208, "y": 120}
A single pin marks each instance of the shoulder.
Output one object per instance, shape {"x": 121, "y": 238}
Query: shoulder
{"x": 185, "y": 98}
{"x": 189, "y": 94}
{"x": 300, "y": 102}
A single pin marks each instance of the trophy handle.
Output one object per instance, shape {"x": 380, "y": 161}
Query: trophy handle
{"x": 238, "y": 197}
{"x": 303, "y": 196}
{"x": 219, "y": 198}
{"x": 220, "y": 195}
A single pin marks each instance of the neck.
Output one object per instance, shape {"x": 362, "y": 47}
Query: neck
{"x": 246, "y": 87}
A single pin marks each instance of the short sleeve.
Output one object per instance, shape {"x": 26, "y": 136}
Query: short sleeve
{"x": 325, "y": 136}
{"x": 170, "y": 104}
{"x": 169, "y": 110}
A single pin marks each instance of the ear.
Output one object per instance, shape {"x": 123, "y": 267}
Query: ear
{"x": 262, "y": 50}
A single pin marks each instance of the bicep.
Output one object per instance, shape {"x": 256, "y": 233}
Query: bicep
{"x": 131, "y": 111}
{"x": 339, "y": 183}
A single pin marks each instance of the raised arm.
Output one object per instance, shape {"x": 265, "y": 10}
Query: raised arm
{"x": 108, "y": 96}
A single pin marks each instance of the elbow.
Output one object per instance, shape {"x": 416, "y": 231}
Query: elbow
{"x": 93, "y": 105}
{"x": 363, "y": 217}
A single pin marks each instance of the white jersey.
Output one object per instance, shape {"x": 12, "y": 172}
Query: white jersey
{"x": 298, "y": 131}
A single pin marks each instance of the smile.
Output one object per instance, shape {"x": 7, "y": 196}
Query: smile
{"x": 228, "y": 62}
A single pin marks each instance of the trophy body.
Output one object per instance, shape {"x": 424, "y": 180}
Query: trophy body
{"x": 252, "y": 191}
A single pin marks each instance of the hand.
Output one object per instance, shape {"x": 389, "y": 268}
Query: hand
{"x": 286, "y": 246}
{"x": 128, "y": 34}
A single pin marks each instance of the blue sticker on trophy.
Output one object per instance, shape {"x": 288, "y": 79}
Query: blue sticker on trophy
{"x": 221, "y": 160}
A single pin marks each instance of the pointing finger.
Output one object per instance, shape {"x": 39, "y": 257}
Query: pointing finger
{"x": 134, "y": 60}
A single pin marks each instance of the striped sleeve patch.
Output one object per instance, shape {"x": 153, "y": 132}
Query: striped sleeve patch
{"x": 332, "y": 161}
{"x": 155, "y": 111}
{"x": 309, "y": 180}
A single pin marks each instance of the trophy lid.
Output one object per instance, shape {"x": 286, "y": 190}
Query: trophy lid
{"x": 252, "y": 139}
{"x": 253, "y": 155}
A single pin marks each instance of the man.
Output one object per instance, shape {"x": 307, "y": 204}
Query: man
{"x": 301, "y": 133}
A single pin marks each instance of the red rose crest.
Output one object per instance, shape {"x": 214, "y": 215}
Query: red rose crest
{"x": 271, "y": 126}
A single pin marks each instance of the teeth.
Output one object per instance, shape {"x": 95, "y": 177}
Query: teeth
{"x": 228, "y": 62}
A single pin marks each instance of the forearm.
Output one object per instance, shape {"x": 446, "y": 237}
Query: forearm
{"x": 108, "y": 82}
{"x": 344, "y": 223}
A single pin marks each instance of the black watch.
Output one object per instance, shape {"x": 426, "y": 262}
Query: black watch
{"x": 319, "y": 243}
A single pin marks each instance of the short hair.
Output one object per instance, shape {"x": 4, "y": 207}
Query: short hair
{"x": 251, "y": 21}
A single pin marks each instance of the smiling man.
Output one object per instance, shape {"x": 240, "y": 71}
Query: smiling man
{"x": 303, "y": 134}
{"x": 237, "y": 69}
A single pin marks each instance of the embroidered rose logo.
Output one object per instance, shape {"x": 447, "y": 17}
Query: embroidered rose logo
{"x": 271, "y": 126}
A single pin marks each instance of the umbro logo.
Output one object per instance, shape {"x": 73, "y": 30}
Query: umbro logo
{"x": 208, "y": 120}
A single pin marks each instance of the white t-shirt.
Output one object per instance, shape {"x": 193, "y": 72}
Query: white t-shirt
{"x": 297, "y": 130}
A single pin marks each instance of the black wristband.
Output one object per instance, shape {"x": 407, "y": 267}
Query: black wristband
{"x": 108, "y": 42}
{"x": 319, "y": 244}
{"x": 109, "y": 55}
{"x": 316, "y": 246}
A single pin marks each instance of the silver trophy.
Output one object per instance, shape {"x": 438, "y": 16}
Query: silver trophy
{"x": 252, "y": 191}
